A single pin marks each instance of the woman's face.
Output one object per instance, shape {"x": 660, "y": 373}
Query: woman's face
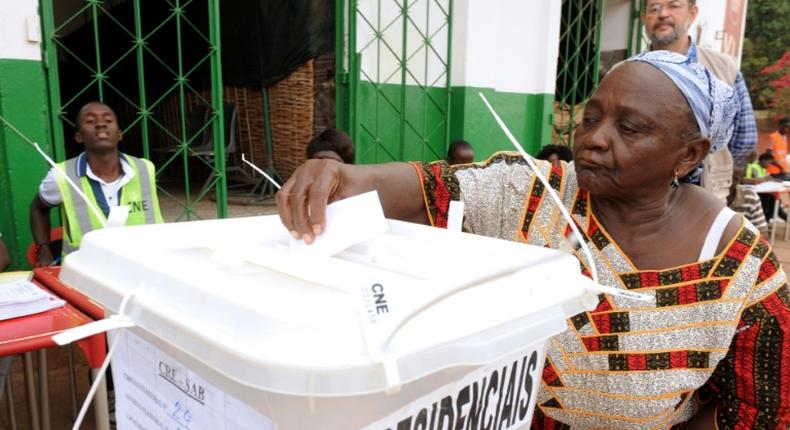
{"x": 554, "y": 159}
{"x": 630, "y": 140}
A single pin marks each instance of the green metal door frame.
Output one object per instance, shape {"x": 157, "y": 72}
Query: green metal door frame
{"x": 350, "y": 78}
{"x": 577, "y": 71}
{"x": 341, "y": 72}
{"x": 51, "y": 65}
{"x": 52, "y": 46}
{"x": 636, "y": 38}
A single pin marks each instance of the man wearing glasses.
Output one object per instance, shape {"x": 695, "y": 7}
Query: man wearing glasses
{"x": 667, "y": 23}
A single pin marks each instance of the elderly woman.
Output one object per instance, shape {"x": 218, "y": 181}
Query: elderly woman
{"x": 713, "y": 348}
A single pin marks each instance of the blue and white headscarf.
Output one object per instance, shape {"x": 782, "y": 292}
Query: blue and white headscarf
{"x": 713, "y": 102}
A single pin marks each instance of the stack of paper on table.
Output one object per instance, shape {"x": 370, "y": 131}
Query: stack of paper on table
{"x": 770, "y": 187}
{"x": 20, "y": 297}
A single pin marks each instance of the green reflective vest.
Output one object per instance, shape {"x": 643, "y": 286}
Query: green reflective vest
{"x": 139, "y": 194}
{"x": 755, "y": 170}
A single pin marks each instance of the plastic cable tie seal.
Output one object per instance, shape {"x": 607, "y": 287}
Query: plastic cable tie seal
{"x": 455, "y": 216}
{"x": 90, "y": 329}
{"x": 618, "y": 292}
{"x": 392, "y": 374}
{"x": 118, "y": 216}
{"x": 590, "y": 300}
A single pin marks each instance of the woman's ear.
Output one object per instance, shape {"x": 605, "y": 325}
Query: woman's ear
{"x": 696, "y": 151}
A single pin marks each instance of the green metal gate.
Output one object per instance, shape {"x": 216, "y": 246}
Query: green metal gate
{"x": 637, "y": 39}
{"x": 393, "y": 80}
{"x": 577, "y": 67}
{"x": 153, "y": 62}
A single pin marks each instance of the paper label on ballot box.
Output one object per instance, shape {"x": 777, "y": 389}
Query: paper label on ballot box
{"x": 153, "y": 391}
{"x": 499, "y": 396}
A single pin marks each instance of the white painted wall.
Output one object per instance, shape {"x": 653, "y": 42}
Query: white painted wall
{"x": 508, "y": 45}
{"x": 709, "y": 21}
{"x": 20, "y": 32}
{"x": 708, "y": 29}
{"x": 380, "y": 59}
{"x": 614, "y": 34}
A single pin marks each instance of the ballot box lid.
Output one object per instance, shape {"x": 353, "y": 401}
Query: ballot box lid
{"x": 410, "y": 302}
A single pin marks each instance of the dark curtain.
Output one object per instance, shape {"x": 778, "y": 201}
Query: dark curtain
{"x": 266, "y": 40}
{"x": 262, "y": 41}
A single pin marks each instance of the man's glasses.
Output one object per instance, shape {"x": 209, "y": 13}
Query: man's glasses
{"x": 673, "y": 7}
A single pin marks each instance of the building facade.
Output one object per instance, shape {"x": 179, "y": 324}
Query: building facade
{"x": 407, "y": 82}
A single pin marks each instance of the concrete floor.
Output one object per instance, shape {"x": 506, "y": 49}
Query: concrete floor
{"x": 172, "y": 202}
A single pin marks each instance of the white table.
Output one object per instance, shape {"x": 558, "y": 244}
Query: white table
{"x": 772, "y": 187}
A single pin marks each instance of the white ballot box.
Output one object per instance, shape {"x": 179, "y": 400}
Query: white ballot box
{"x": 416, "y": 328}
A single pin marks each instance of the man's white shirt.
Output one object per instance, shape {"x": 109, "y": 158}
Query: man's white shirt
{"x": 49, "y": 192}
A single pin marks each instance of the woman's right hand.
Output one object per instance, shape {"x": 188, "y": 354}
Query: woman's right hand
{"x": 302, "y": 201}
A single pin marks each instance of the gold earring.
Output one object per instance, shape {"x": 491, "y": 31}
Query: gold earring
{"x": 675, "y": 182}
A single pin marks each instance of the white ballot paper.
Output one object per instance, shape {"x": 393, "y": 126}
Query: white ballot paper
{"x": 769, "y": 187}
{"x": 155, "y": 391}
{"x": 348, "y": 221}
{"x": 20, "y": 297}
{"x": 118, "y": 216}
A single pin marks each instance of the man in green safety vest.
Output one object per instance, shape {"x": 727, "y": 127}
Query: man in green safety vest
{"x": 111, "y": 181}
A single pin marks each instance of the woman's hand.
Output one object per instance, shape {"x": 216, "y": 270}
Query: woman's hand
{"x": 303, "y": 199}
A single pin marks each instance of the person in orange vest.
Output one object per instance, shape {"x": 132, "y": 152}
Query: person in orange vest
{"x": 771, "y": 166}
{"x": 778, "y": 145}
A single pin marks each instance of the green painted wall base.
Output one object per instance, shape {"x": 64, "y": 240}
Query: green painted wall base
{"x": 23, "y": 103}
{"x": 400, "y": 123}
{"x": 528, "y": 116}
{"x": 383, "y": 134}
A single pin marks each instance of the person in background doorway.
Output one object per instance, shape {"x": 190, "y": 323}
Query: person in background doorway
{"x": 745, "y": 201}
{"x": 332, "y": 144}
{"x": 460, "y": 152}
{"x": 667, "y": 23}
{"x": 555, "y": 153}
{"x": 107, "y": 177}
{"x": 778, "y": 144}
